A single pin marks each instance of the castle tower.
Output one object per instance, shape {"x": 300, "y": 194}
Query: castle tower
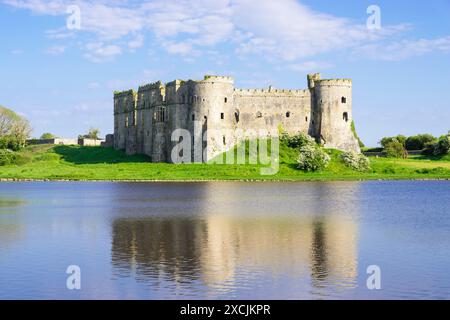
{"x": 213, "y": 109}
{"x": 333, "y": 114}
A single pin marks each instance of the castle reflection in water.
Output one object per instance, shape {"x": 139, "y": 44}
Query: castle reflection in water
{"x": 231, "y": 234}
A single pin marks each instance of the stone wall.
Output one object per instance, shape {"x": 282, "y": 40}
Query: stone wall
{"x": 144, "y": 121}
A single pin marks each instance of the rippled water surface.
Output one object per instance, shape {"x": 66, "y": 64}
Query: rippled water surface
{"x": 225, "y": 240}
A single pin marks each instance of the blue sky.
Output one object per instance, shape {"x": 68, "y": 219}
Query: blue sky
{"x": 62, "y": 79}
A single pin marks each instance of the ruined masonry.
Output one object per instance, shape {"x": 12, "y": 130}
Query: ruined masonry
{"x": 144, "y": 121}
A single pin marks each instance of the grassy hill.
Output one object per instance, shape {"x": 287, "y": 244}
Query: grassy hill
{"x": 95, "y": 163}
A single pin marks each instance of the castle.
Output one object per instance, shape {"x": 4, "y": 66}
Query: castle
{"x": 144, "y": 120}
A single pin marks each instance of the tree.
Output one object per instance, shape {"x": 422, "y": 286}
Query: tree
{"x": 47, "y": 135}
{"x": 395, "y": 149}
{"x": 442, "y": 147}
{"x": 14, "y": 129}
{"x": 419, "y": 141}
{"x": 93, "y": 133}
{"x": 387, "y": 140}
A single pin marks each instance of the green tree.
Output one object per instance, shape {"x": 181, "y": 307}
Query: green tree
{"x": 93, "y": 133}
{"x": 387, "y": 140}
{"x": 395, "y": 149}
{"x": 14, "y": 129}
{"x": 419, "y": 141}
{"x": 442, "y": 147}
{"x": 47, "y": 135}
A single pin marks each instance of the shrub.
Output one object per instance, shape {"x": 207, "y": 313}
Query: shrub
{"x": 356, "y": 161}
{"x": 297, "y": 141}
{"x": 395, "y": 149}
{"x": 442, "y": 147}
{"x": 11, "y": 143}
{"x": 419, "y": 142}
{"x": 312, "y": 158}
{"x": 387, "y": 140}
{"x": 7, "y": 157}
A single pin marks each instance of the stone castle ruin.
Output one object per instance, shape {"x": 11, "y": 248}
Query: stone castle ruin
{"x": 144, "y": 120}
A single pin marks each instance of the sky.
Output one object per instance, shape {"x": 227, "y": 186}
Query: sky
{"x": 60, "y": 61}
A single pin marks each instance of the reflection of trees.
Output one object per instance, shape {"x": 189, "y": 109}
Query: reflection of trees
{"x": 154, "y": 245}
{"x": 319, "y": 268}
{"x": 11, "y": 227}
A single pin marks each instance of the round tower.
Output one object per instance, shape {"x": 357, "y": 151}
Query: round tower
{"x": 334, "y": 104}
{"x": 212, "y": 108}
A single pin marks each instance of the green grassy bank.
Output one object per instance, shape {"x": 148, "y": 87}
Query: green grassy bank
{"x": 43, "y": 162}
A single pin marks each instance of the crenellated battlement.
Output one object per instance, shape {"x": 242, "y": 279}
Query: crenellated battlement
{"x": 118, "y": 94}
{"x": 151, "y": 86}
{"x": 334, "y": 82}
{"x": 144, "y": 120}
{"x": 272, "y": 92}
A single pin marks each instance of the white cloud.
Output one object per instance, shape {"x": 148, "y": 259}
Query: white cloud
{"x": 99, "y": 52}
{"x": 59, "y": 34}
{"x": 284, "y": 30}
{"x": 17, "y": 52}
{"x": 309, "y": 66}
{"x": 405, "y": 49}
{"x": 136, "y": 43}
{"x": 55, "y": 50}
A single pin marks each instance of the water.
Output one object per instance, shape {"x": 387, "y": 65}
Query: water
{"x": 225, "y": 240}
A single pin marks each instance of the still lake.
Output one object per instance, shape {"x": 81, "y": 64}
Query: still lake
{"x": 225, "y": 240}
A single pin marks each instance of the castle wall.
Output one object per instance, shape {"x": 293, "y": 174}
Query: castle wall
{"x": 289, "y": 110}
{"x": 124, "y": 106}
{"x": 144, "y": 121}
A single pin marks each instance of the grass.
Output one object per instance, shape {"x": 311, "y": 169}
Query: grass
{"x": 46, "y": 162}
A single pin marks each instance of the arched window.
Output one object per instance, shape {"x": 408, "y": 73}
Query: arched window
{"x": 288, "y": 114}
{"x": 306, "y": 119}
{"x": 259, "y": 114}
{"x": 222, "y": 116}
{"x": 344, "y": 100}
{"x": 345, "y": 116}
{"x": 236, "y": 116}
{"x": 226, "y": 99}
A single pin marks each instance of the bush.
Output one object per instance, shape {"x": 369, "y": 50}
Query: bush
{"x": 442, "y": 147}
{"x": 387, "y": 140}
{"x": 11, "y": 143}
{"x": 419, "y": 142}
{"x": 428, "y": 149}
{"x": 312, "y": 158}
{"x": 395, "y": 149}
{"x": 297, "y": 141}
{"x": 7, "y": 157}
{"x": 356, "y": 161}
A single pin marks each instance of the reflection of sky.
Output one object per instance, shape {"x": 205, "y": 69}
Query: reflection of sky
{"x": 225, "y": 240}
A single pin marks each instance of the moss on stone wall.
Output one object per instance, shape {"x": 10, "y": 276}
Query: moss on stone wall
{"x": 361, "y": 144}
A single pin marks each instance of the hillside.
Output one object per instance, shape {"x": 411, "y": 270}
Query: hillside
{"x": 96, "y": 163}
